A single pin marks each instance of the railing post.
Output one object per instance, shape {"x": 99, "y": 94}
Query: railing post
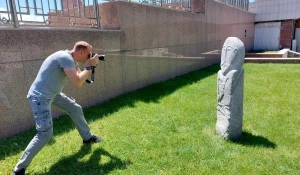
{"x": 13, "y": 13}
{"x": 97, "y": 13}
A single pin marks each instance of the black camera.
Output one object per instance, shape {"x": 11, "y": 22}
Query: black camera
{"x": 100, "y": 57}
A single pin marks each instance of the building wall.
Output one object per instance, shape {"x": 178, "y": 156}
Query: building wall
{"x": 272, "y": 10}
{"x": 285, "y": 11}
{"x": 152, "y": 45}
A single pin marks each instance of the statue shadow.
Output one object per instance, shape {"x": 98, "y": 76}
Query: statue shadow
{"x": 248, "y": 139}
{"x": 100, "y": 162}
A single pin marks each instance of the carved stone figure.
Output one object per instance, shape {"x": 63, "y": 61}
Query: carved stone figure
{"x": 231, "y": 90}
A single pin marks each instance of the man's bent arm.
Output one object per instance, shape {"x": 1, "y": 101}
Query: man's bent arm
{"x": 77, "y": 77}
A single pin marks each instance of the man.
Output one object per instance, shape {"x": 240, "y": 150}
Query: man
{"x": 47, "y": 90}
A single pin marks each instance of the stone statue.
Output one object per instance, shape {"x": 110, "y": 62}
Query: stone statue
{"x": 231, "y": 90}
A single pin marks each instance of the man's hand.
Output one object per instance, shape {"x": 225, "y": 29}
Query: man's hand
{"x": 78, "y": 77}
{"x": 93, "y": 61}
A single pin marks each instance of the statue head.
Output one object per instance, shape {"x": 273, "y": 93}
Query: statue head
{"x": 233, "y": 54}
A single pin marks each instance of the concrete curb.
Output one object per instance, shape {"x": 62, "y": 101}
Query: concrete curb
{"x": 273, "y": 60}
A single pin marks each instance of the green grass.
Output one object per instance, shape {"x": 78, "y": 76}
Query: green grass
{"x": 169, "y": 128}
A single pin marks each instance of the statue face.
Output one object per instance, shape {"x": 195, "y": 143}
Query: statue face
{"x": 228, "y": 56}
{"x": 233, "y": 54}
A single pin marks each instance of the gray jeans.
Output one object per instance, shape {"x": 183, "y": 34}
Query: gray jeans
{"x": 41, "y": 108}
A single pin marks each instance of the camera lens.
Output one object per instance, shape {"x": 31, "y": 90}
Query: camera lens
{"x": 100, "y": 57}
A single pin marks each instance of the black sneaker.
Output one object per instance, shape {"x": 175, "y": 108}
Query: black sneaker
{"x": 93, "y": 139}
{"x": 19, "y": 172}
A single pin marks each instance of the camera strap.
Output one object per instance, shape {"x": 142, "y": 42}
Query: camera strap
{"x": 93, "y": 73}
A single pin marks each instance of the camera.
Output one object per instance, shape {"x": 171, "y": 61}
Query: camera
{"x": 100, "y": 57}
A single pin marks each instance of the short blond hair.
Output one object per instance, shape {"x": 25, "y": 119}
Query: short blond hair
{"x": 81, "y": 45}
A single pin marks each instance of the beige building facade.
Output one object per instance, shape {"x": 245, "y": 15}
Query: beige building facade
{"x": 276, "y": 24}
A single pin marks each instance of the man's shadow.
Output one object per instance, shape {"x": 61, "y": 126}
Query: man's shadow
{"x": 95, "y": 165}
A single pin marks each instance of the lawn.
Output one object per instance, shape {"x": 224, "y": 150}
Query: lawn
{"x": 169, "y": 128}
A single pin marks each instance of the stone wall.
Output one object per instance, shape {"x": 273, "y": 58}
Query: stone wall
{"x": 153, "y": 27}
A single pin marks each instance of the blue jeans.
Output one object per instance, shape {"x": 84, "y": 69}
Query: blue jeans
{"x": 41, "y": 108}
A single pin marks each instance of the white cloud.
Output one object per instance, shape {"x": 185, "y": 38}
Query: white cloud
{"x": 3, "y": 15}
{"x": 24, "y": 17}
{"x": 31, "y": 18}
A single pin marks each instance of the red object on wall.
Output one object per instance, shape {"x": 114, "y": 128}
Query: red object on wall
{"x": 286, "y": 34}
{"x": 198, "y": 6}
{"x": 297, "y": 23}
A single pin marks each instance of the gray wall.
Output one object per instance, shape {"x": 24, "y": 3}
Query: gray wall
{"x": 152, "y": 45}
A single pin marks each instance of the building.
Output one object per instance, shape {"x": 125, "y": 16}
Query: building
{"x": 277, "y": 24}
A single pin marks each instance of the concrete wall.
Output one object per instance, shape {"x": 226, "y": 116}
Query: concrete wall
{"x": 152, "y": 45}
{"x": 152, "y": 27}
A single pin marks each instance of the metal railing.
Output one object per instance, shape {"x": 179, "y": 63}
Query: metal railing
{"x": 75, "y": 13}
{"x": 66, "y": 13}
{"x": 241, "y": 4}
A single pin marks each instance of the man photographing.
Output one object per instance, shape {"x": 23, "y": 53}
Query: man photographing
{"x": 47, "y": 90}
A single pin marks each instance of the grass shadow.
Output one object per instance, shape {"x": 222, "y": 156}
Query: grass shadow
{"x": 248, "y": 139}
{"x": 94, "y": 165}
{"x": 151, "y": 93}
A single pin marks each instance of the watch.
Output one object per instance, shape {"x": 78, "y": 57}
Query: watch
{"x": 88, "y": 68}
